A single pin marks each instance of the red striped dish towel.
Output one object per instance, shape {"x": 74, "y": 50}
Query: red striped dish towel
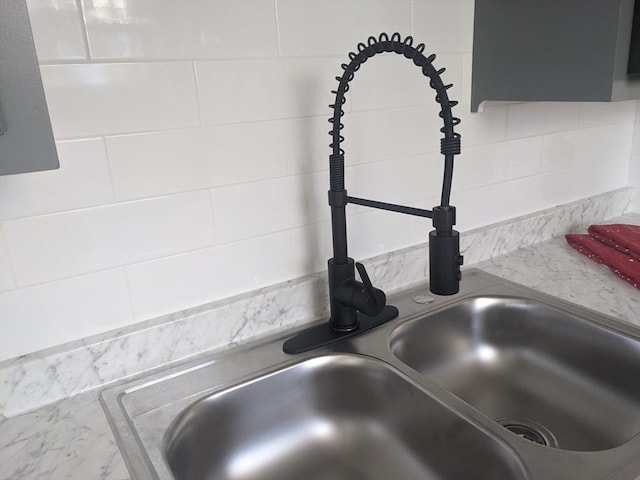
{"x": 617, "y": 246}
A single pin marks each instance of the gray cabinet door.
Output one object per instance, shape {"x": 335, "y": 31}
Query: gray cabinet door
{"x": 553, "y": 50}
{"x": 26, "y": 139}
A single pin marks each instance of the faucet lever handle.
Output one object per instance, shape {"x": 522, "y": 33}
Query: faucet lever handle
{"x": 366, "y": 281}
{"x": 375, "y": 300}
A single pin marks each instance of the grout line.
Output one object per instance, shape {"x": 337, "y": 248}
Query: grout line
{"x": 212, "y": 205}
{"x": 63, "y": 138}
{"x": 278, "y": 39}
{"x": 196, "y": 85}
{"x": 83, "y": 30}
{"x": 111, "y": 178}
{"x": 412, "y": 19}
{"x": 8, "y": 262}
{"x": 127, "y": 279}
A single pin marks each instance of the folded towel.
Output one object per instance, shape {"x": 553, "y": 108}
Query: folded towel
{"x": 625, "y": 238}
{"x": 615, "y": 246}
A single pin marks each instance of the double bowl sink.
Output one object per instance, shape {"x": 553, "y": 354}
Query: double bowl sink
{"x": 499, "y": 382}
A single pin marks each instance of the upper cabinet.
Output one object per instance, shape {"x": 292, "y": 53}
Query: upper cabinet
{"x": 26, "y": 138}
{"x": 555, "y": 50}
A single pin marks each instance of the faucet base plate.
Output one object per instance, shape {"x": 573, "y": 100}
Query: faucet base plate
{"x": 322, "y": 335}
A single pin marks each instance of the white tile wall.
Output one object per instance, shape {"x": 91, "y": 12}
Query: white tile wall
{"x": 6, "y": 271}
{"x": 245, "y": 90}
{"x": 38, "y": 317}
{"x": 253, "y": 209}
{"x": 536, "y": 118}
{"x": 377, "y": 85}
{"x": 50, "y": 247}
{"x": 444, "y": 25}
{"x": 193, "y": 145}
{"x": 58, "y": 32}
{"x": 399, "y": 132}
{"x": 183, "y": 29}
{"x": 161, "y": 163}
{"x": 183, "y": 280}
{"x": 83, "y": 180}
{"x": 400, "y": 180}
{"x": 101, "y": 98}
{"x": 328, "y": 27}
{"x": 597, "y": 113}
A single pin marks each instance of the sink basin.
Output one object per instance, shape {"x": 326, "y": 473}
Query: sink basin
{"x": 542, "y": 372}
{"x": 424, "y": 396}
{"x": 331, "y": 417}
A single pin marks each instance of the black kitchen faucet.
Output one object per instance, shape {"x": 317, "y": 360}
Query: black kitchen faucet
{"x": 359, "y": 306}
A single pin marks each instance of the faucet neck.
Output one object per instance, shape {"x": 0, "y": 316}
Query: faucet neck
{"x": 358, "y": 306}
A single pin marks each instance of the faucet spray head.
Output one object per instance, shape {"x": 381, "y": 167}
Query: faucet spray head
{"x": 444, "y": 253}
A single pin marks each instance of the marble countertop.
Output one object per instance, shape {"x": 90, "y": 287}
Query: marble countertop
{"x": 72, "y": 440}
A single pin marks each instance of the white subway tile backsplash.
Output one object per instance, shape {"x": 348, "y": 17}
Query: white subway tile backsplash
{"x": 604, "y": 142}
{"x": 548, "y": 190}
{"x": 599, "y": 113}
{"x": 561, "y": 186}
{"x": 398, "y": 181}
{"x": 335, "y": 27}
{"x": 160, "y": 163}
{"x": 476, "y": 206}
{"x": 522, "y": 157}
{"x": 397, "y": 132}
{"x": 314, "y": 247}
{"x": 148, "y": 29}
{"x": 253, "y": 209}
{"x": 390, "y": 81}
{"x": 586, "y": 145}
{"x": 194, "y": 153}
{"x": 420, "y": 227}
{"x": 250, "y": 90}
{"x": 83, "y": 180}
{"x": 62, "y": 245}
{"x": 443, "y": 25}
{"x": 375, "y": 232}
{"x": 600, "y": 176}
{"x": 467, "y": 70}
{"x": 57, "y": 30}
{"x": 477, "y": 166}
{"x": 98, "y": 99}
{"x": 174, "y": 283}
{"x": 497, "y": 162}
{"x": 560, "y": 150}
{"x": 307, "y": 144}
{"x": 488, "y": 126}
{"x": 537, "y": 118}
{"x": 46, "y": 315}
{"x": 6, "y": 273}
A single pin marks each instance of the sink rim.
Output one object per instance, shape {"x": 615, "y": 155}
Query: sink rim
{"x": 139, "y": 447}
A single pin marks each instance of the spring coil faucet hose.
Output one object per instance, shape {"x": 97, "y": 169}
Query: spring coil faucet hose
{"x": 449, "y": 145}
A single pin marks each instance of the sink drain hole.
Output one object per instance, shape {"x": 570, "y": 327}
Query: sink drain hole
{"x": 529, "y": 431}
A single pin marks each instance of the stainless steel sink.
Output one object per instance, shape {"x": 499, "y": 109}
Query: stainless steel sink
{"x": 332, "y": 417}
{"x": 427, "y": 395}
{"x": 542, "y": 372}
